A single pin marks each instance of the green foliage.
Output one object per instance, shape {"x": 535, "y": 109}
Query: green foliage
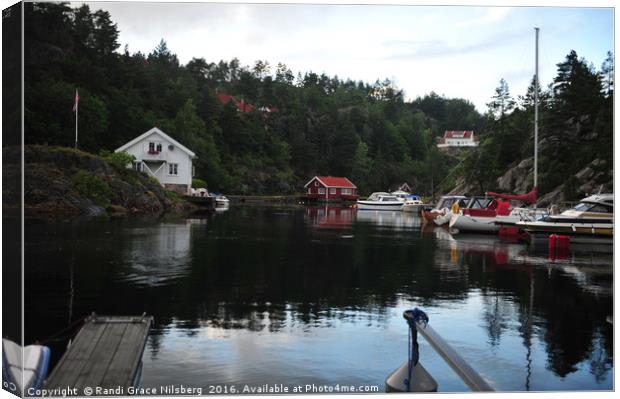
{"x": 173, "y": 196}
{"x": 323, "y": 125}
{"x": 120, "y": 160}
{"x": 92, "y": 186}
{"x": 198, "y": 183}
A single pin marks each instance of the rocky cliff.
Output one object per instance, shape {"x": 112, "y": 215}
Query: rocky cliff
{"x": 62, "y": 183}
{"x": 518, "y": 180}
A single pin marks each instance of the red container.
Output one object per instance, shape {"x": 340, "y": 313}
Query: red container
{"x": 552, "y": 239}
{"x": 562, "y": 242}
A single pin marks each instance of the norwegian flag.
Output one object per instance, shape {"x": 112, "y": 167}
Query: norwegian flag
{"x": 77, "y": 100}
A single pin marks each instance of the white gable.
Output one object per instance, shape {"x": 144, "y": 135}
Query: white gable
{"x": 161, "y": 134}
{"x": 162, "y": 157}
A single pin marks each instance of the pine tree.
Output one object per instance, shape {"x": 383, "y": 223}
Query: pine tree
{"x": 502, "y": 102}
{"x": 607, "y": 75}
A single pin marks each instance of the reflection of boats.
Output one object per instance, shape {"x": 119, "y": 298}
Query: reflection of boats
{"x": 593, "y": 217}
{"x": 381, "y": 202}
{"x": 441, "y": 213}
{"x": 394, "y": 219}
{"x": 498, "y": 252}
{"x": 19, "y": 380}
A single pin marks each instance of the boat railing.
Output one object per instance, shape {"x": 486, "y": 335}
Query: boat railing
{"x": 418, "y": 323}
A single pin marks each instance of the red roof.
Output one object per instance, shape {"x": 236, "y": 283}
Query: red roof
{"x": 224, "y": 98}
{"x": 330, "y": 181}
{"x": 242, "y": 105}
{"x": 458, "y": 134}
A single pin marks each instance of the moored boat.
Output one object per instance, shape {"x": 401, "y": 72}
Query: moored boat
{"x": 442, "y": 212}
{"x": 478, "y": 216}
{"x": 413, "y": 203}
{"x": 222, "y": 203}
{"x": 24, "y": 378}
{"x": 489, "y": 214}
{"x": 593, "y": 217}
{"x": 381, "y": 202}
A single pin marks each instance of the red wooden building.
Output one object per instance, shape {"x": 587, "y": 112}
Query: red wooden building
{"x": 329, "y": 188}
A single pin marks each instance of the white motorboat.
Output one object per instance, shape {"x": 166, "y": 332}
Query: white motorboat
{"x": 487, "y": 214}
{"x": 413, "y": 203}
{"x": 381, "y": 202}
{"x": 24, "y": 378}
{"x": 221, "y": 203}
{"x": 478, "y": 216}
{"x": 593, "y": 217}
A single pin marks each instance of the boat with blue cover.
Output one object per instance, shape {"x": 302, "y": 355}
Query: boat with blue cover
{"x": 24, "y": 379}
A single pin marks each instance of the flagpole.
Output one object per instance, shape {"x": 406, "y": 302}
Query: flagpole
{"x": 77, "y": 107}
{"x": 76, "y": 125}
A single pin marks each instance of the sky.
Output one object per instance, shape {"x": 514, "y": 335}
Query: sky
{"x": 455, "y": 51}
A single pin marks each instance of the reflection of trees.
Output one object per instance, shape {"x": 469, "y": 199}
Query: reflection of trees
{"x": 245, "y": 278}
{"x": 570, "y": 322}
{"x": 563, "y": 311}
{"x": 600, "y": 360}
{"x": 264, "y": 272}
{"x": 495, "y": 316}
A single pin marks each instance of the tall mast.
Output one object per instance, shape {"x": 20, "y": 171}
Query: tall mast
{"x": 536, "y": 115}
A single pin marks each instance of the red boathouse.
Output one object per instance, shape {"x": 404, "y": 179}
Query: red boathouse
{"x": 329, "y": 188}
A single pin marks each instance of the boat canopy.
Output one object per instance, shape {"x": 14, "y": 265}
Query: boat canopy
{"x": 530, "y": 197}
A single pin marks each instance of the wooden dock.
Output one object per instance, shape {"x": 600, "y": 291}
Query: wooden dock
{"x": 106, "y": 354}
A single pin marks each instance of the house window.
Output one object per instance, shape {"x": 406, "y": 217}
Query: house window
{"x": 321, "y": 190}
{"x": 137, "y": 165}
{"x": 346, "y": 191}
{"x": 309, "y": 190}
{"x": 154, "y": 147}
{"x": 173, "y": 169}
{"x": 316, "y": 184}
{"x": 332, "y": 191}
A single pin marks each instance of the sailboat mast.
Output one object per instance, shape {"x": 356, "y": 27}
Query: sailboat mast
{"x": 536, "y": 115}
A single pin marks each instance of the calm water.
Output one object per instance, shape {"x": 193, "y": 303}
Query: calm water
{"x": 316, "y": 295}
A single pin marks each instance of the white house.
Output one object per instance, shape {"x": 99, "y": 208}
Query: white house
{"x": 164, "y": 158}
{"x": 457, "y": 138}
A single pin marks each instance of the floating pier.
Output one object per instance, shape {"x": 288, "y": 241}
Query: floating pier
{"x": 106, "y": 354}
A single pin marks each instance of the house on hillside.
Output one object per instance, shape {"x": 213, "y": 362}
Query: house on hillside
{"x": 243, "y": 106}
{"x": 329, "y": 188}
{"x": 457, "y": 138}
{"x": 164, "y": 158}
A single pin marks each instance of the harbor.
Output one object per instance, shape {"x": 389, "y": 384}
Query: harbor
{"x": 306, "y": 295}
{"x": 304, "y": 205}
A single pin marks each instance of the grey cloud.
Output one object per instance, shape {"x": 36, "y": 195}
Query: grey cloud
{"x": 431, "y": 49}
{"x": 161, "y": 20}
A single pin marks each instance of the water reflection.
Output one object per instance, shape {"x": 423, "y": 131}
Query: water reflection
{"x": 330, "y": 217}
{"x": 396, "y": 220}
{"x": 273, "y": 295}
{"x": 157, "y": 255}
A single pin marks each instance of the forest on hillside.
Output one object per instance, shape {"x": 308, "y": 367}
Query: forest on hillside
{"x": 299, "y": 125}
